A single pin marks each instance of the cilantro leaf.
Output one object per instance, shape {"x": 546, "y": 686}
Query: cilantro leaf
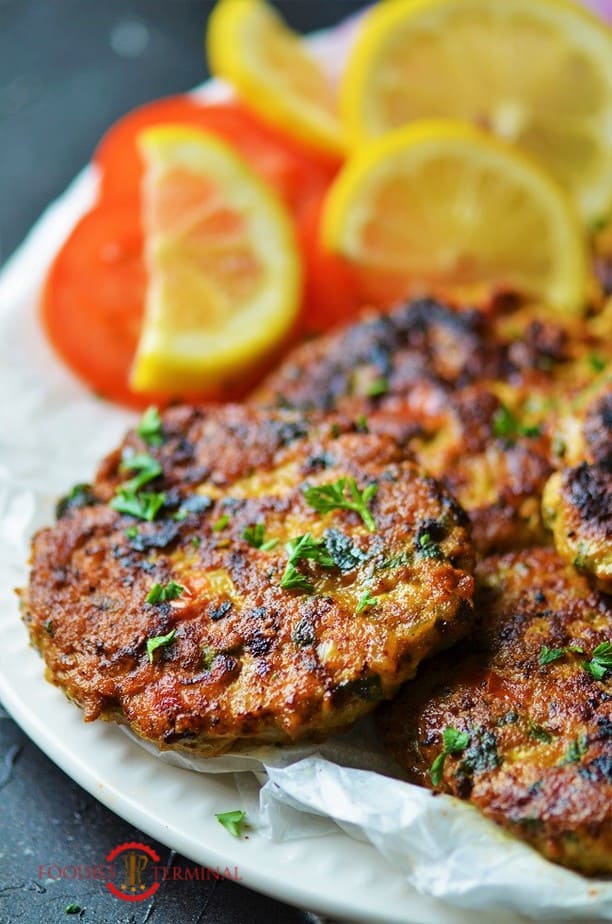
{"x": 232, "y": 821}
{"x": 159, "y": 641}
{"x": 454, "y": 742}
{"x": 150, "y": 427}
{"x": 300, "y": 549}
{"x": 293, "y": 580}
{"x": 145, "y": 505}
{"x": 377, "y": 388}
{"x": 221, "y": 523}
{"x": 146, "y": 466}
{"x": 597, "y": 362}
{"x": 506, "y": 425}
{"x": 601, "y": 661}
{"x": 548, "y": 655}
{"x": 256, "y": 536}
{"x": 161, "y": 593}
{"x": 343, "y": 494}
{"x": 365, "y": 601}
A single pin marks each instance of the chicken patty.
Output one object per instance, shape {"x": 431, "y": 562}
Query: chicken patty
{"x": 236, "y": 576}
{"x": 471, "y": 394}
{"x": 577, "y": 506}
{"x": 519, "y": 722}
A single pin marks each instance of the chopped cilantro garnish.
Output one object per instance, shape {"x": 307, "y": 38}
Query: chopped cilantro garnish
{"x": 601, "y": 661}
{"x": 145, "y": 505}
{"x": 196, "y": 542}
{"x": 597, "y": 362}
{"x": 343, "y": 494}
{"x": 455, "y": 742}
{"x": 180, "y": 515}
{"x": 221, "y": 523}
{"x": 161, "y": 593}
{"x": 131, "y": 533}
{"x": 428, "y": 547}
{"x": 540, "y": 733}
{"x": 150, "y": 427}
{"x": 160, "y": 641}
{"x": 506, "y": 425}
{"x": 293, "y": 580}
{"x": 377, "y": 387}
{"x": 361, "y": 424}
{"x": 72, "y": 908}
{"x": 548, "y": 655}
{"x": 256, "y": 536}
{"x": 365, "y": 601}
{"x": 299, "y": 549}
{"x": 306, "y": 547}
{"x": 232, "y": 821}
{"x": 147, "y": 467}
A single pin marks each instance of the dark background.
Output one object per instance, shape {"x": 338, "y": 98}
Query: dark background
{"x": 68, "y": 68}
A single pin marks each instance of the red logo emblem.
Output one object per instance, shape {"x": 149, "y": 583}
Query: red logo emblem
{"x": 138, "y": 879}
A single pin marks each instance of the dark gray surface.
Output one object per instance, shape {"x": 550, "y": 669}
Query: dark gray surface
{"x": 68, "y": 68}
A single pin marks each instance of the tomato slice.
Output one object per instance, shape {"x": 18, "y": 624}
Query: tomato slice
{"x": 93, "y": 300}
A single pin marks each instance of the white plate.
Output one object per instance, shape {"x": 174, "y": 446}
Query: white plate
{"x": 52, "y": 425}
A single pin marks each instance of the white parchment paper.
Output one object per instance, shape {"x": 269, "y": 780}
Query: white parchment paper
{"x": 52, "y": 434}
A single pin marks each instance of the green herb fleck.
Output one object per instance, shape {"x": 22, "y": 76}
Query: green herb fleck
{"x": 601, "y": 661}
{"x": 144, "y": 505}
{"x": 548, "y": 655}
{"x": 48, "y": 627}
{"x": 361, "y": 424}
{"x": 299, "y": 549}
{"x": 377, "y": 388}
{"x": 147, "y": 468}
{"x": 455, "y": 742}
{"x": 160, "y": 641}
{"x": 232, "y": 821}
{"x": 427, "y": 547}
{"x": 293, "y": 580}
{"x": 506, "y": 425}
{"x": 597, "y": 362}
{"x": 576, "y": 750}
{"x": 161, "y": 593}
{"x": 72, "y": 908}
{"x": 221, "y": 523}
{"x": 131, "y": 533}
{"x": 150, "y": 427}
{"x": 180, "y": 515}
{"x": 256, "y": 536}
{"x": 343, "y": 494}
{"x": 208, "y": 656}
{"x": 196, "y": 542}
{"x": 540, "y": 733}
{"x": 366, "y": 600}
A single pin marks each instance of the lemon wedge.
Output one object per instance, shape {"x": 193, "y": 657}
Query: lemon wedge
{"x": 268, "y": 64}
{"x": 224, "y": 271}
{"x": 538, "y": 74}
{"x": 442, "y": 206}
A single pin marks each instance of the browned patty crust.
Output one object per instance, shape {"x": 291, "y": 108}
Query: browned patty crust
{"x": 577, "y": 505}
{"x": 525, "y": 708}
{"x": 254, "y": 647}
{"x": 472, "y": 395}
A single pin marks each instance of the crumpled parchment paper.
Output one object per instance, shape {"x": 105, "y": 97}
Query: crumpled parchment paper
{"x": 52, "y": 434}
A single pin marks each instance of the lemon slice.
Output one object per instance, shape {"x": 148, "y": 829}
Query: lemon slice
{"x": 224, "y": 272}
{"x": 249, "y": 45}
{"x": 443, "y": 206}
{"x": 534, "y": 72}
